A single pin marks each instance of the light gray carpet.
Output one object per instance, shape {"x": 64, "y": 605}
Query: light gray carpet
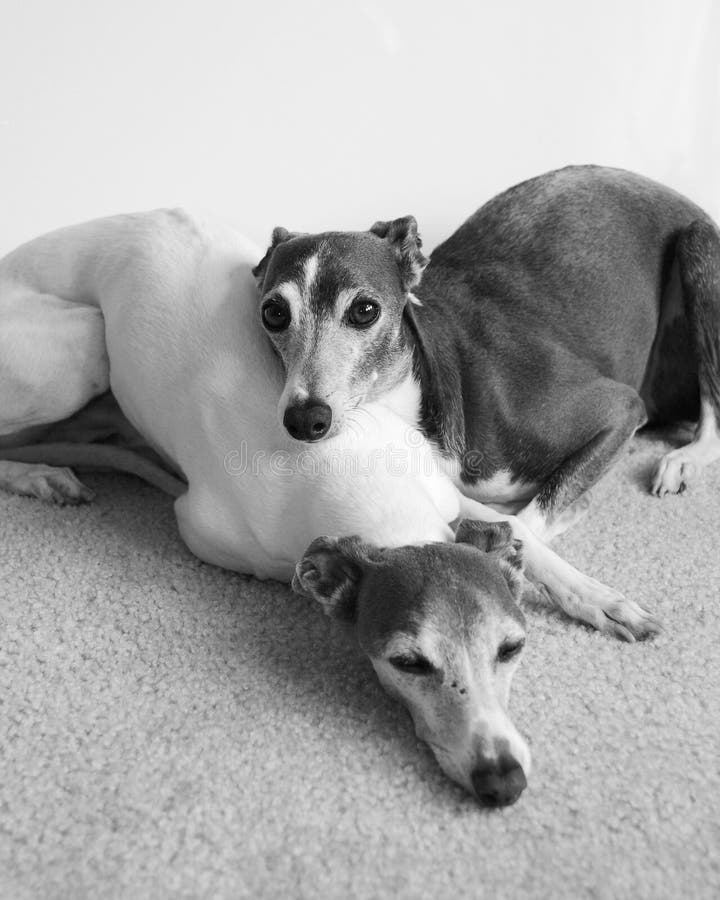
{"x": 172, "y": 730}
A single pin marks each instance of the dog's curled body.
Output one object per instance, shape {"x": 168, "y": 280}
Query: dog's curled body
{"x": 185, "y": 356}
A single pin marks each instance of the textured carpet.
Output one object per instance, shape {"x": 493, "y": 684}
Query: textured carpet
{"x": 172, "y": 730}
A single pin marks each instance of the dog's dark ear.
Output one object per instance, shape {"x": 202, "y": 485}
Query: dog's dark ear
{"x": 403, "y": 237}
{"x": 496, "y": 538}
{"x": 279, "y": 236}
{"x": 330, "y": 572}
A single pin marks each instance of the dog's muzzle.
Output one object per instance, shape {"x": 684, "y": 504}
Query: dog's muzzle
{"x": 308, "y": 421}
{"x": 498, "y": 782}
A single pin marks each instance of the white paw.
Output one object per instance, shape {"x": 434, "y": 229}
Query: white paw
{"x": 610, "y": 612}
{"x": 52, "y": 484}
{"x": 673, "y": 474}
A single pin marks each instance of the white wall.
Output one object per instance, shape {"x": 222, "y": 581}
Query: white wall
{"x": 328, "y": 114}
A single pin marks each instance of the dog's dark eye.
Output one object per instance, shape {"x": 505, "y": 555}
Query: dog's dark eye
{"x": 509, "y": 649}
{"x": 363, "y": 313}
{"x": 413, "y": 665}
{"x": 275, "y": 315}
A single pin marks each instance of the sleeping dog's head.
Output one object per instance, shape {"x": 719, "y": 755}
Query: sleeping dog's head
{"x": 332, "y": 305}
{"x": 442, "y": 628}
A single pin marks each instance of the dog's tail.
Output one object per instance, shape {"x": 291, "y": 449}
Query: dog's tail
{"x": 98, "y": 457}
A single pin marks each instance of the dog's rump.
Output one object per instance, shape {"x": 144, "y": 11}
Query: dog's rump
{"x": 538, "y": 251}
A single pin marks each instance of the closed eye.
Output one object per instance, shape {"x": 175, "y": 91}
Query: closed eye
{"x": 412, "y": 664}
{"x": 509, "y": 650}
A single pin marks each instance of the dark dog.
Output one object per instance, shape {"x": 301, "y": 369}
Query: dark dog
{"x": 558, "y": 319}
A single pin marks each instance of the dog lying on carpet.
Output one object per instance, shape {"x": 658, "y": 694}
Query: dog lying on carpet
{"x": 559, "y": 318}
{"x": 160, "y": 308}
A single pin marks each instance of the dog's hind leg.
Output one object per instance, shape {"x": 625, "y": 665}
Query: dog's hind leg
{"x": 52, "y": 362}
{"x": 610, "y": 413}
{"x": 51, "y": 483}
{"x": 698, "y": 255}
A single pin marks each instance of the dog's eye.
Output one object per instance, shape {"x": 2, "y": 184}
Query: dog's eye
{"x": 412, "y": 665}
{"x": 509, "y": 649}
{"x": 363, "y": 313}
{"x": 275, "y": 315}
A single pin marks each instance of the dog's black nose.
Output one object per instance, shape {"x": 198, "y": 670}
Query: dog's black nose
{"x": 308, "y": 421}
{"x": 498, "y": 782}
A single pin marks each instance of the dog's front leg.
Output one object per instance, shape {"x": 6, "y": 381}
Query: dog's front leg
{"x": 578, "y": 595}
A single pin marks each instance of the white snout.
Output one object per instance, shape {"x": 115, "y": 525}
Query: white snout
{"x": 486, "y": 740}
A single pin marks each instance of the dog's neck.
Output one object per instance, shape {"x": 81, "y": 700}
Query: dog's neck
{"x": 438, "y": 373}
{"x": 404, "y": 399}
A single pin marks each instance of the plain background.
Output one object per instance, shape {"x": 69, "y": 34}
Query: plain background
{"x": 319, "y": 115}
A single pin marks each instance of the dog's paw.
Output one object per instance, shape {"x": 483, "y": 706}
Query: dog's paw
{"x": 673, "y": 474}
{"x": 627, "y": 620}
{"x": 609, "y": 611}
{"x": 52, "y": 484}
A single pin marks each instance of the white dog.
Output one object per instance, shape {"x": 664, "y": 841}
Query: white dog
{"x": 163, "y": 310}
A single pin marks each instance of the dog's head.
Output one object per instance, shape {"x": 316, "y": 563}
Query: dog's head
{"x": 332, "y": 305}
{"x": 442, "y": 628}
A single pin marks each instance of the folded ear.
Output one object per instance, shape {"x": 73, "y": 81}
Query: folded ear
{"x": 330, "y": 572}
{"x": 279, "y": 236}
{"x": 403, "y": 237}
{"x": 496, "y": 538}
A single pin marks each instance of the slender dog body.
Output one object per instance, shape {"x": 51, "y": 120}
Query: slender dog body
{"x": 557, "y": 320}
{"x": 163, "y": 310}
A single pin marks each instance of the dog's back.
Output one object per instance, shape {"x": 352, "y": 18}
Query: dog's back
{"x": 538, "y": 251}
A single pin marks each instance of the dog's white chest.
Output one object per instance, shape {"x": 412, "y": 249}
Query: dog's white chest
{"x": 260, "y": 509}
